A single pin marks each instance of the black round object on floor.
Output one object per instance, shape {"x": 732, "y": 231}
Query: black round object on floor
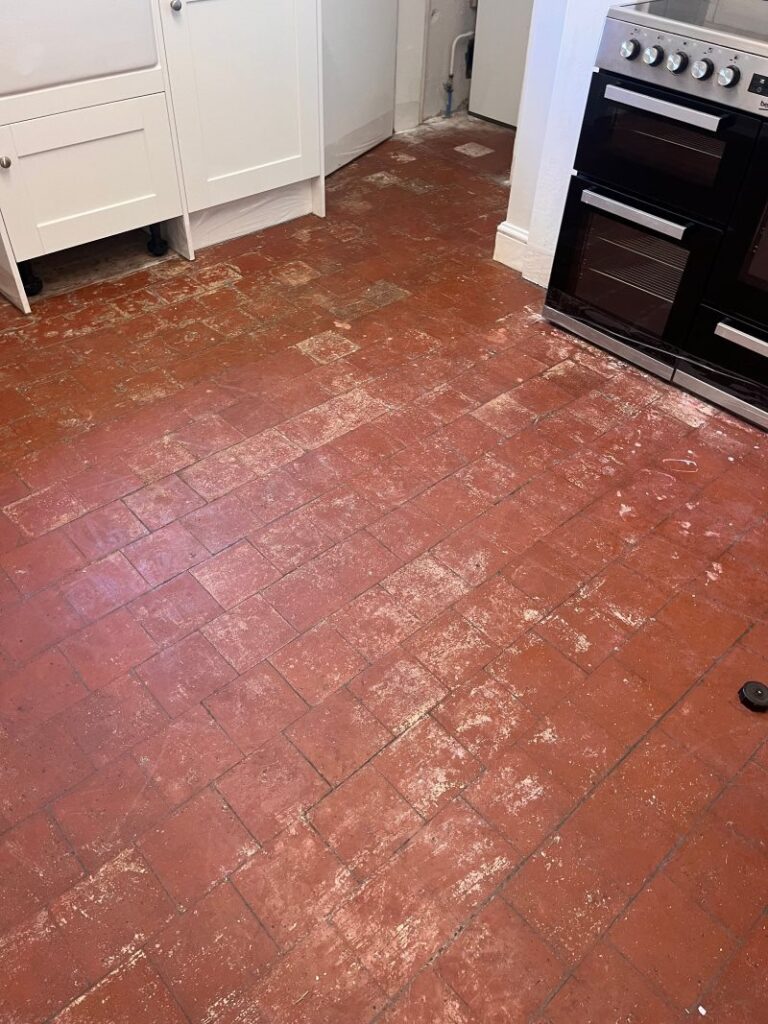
{"x": 754, "y": 696}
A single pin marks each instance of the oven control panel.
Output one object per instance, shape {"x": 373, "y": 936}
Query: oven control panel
{"x": 686, "y": 65}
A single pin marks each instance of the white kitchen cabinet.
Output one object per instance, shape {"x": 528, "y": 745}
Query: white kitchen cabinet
{"x": 81, "y": 175}
{"x": 245, "y": 87}
{"x": 359, "y": 63}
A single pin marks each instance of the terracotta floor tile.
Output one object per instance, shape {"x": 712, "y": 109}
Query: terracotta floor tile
{"x": 452, "y": 649}
{"x": 373, "y": 920}
{"x": 711, "y": 721}
{"x": 161, "y": 503}
{"x": 337, "y": 576}
{"x": 42, "y": 688}
{"x": 165, "y": 554}
{"x": 38, "y": 766}
{"x": 109, "y": 810}
{"x": 537, "y": 673}
{"x": 135, "y": 991}
{"x": 110, "y": 915}
{"x": 37, "y": 949}
{"x": 484, "y": 716}
{"x": 742, "y": 986}
{"x": 365, "y": 820}
{"x": 184, "y": 757}
{"x": 499, "y": 610}
{"x": 36, "y": 866}
{"x": 201, "y": 973}
{"x": 662, "y": 921}
{"x": 398, "y": 690}
{"x": 428, "y": 1000}
{"x": 108, "y": 649}
{"x": 27, "y": 629}
{"x": 235, "y": 574}
{"x": 338, "y": 736}
{"x": 220, "y": 523}
{"x": 113, "y": 719}
{"x": 271, "y": 788}
{"x": 470, "y": 966}
{"x": 375, "y": 623}
{"x": 408, "y": 531}
{"x": 724, "y": 874}
{"x": 425, "y": 587}
{"x": 173, "y": 610}
{"x": 101, "y": 532}
{"x": 317, "y": 663}
{"x": 255, "y": 707}
{"x": 294, "y": 883}
{"x": 573, "y": 747}
{"x": 319, "y": 981}
{"x": 103, "y": 586}
{"x": 471, "y": 556}
{"x": 197, "y": 847}
{"x": 605, "y": 987}
{"x": 668, "y": 777}
{"x": 41, "y": 562}
{"x": 739, "y": 805}
{"x": 249, "y": 633}
{"x": 566, "y": 895}
{"x": 520, "y": 799}
{"x": 630, "y": 839}
{"x": 185, "y": 673}
{"x": 427, "y": 766}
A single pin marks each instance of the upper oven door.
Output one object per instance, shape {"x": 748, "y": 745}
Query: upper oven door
{"x": 631, "y": 270}
{"x": 739, "y": 284}
{"x": 680, "y": 152}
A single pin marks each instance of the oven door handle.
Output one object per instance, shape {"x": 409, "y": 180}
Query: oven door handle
{"x": 629, "y": 213}
{"x": 748, "y": 341}
{"x": 673, "y": 111}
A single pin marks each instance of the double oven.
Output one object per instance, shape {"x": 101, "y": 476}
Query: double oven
{"x": 663, "y": 251}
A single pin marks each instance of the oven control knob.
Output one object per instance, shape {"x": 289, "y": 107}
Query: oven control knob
{"x": 702, "y": 69}
{"x": 653, "y": 55}
{"x": 728, "y": 77}
{"x": 630, "y": 49}
{"x": 677, "y": 62}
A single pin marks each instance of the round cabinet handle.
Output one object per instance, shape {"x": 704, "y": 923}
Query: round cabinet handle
{"x": 176, "y": 5}
{"x": 5, "y": 162}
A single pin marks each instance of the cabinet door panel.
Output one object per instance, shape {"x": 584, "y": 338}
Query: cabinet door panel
{"x": 244, "y": 76}
{"x": 86, "y": 174}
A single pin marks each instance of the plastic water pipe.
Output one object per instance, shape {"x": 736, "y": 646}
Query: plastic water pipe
{"x": 452, "y": 70}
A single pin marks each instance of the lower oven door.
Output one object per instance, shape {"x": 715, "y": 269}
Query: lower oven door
{"x": 668, "y": 148}
{"x": 629, "y": 276}
{"x": 727, "y": 363}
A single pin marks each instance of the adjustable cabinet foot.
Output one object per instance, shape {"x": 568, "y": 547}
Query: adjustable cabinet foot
{"x": 33, "y": 284}
{"x": 157, "y": 245}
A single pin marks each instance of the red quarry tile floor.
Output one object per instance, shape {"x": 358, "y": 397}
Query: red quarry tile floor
{"x": 369, "y": 650}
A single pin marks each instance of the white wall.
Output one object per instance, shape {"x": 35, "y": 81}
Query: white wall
{"x": 411, "y": 57}
{"x": 565, "y": 35}
{"x": 447, "y": 19}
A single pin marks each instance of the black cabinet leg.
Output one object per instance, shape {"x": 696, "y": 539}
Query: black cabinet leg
{"x": 33, "y": 284}
{"x": 156, "y": 245}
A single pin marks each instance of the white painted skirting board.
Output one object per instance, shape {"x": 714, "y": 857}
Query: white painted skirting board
{"x": 514, "y": 250}
{"x": 511, "y": 243}
{"x": 243, "y": 216}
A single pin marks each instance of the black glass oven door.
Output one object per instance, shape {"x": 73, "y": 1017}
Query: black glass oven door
{"x": 625, "y": 269}
{"x": 676, "y": 151}
{"x": 727, "y": 363}
{"x": 740, "y": 281}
